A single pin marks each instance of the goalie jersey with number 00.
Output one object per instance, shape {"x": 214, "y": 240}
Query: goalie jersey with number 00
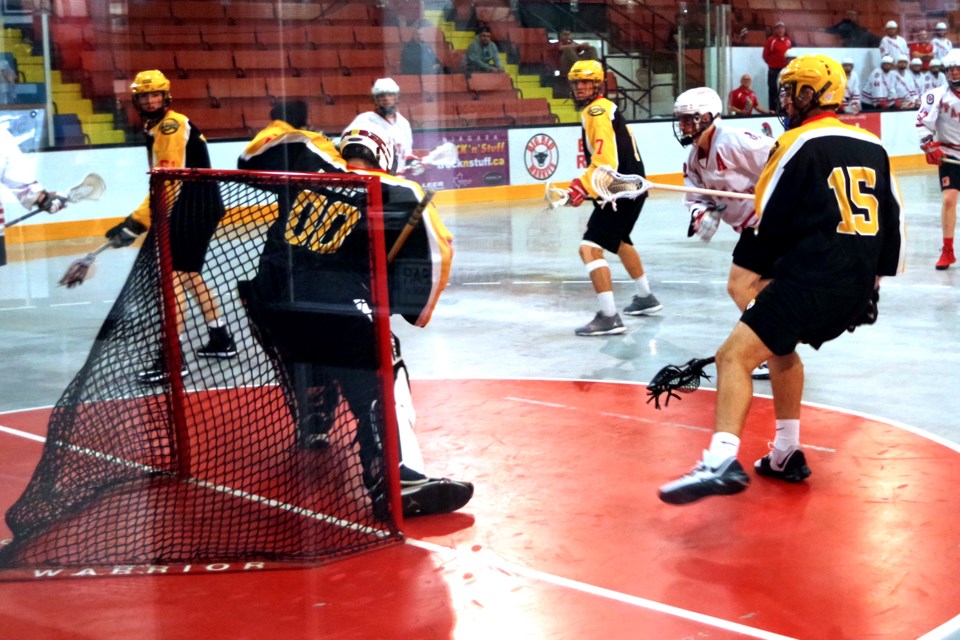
{"x": 732, "y": 161}
{"x": 830, "y": 209}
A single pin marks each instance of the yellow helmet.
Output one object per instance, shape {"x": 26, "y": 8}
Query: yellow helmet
{"x": 150, "y": 81}
{"x": 821, "y": 74}
{"x": 586, "y": 70}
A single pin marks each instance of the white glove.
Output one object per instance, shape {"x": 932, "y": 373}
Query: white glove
{"x": 704, "y": 221}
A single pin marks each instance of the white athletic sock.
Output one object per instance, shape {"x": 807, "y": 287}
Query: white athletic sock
{"x": 723, "y": 445}
{"x": 607, "y": 305}
{"x": 216, "y": 324}
{"x": 643, "y": 287}
{"x": 788, "y": 435}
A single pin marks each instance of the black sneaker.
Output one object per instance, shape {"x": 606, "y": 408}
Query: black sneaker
{"x": 727, "y": 478}
{"x": 791, "y": 467}
{"x": 220, "y": 344}
{"x": 433, "y": 495}
{"x": 157, "y": 373}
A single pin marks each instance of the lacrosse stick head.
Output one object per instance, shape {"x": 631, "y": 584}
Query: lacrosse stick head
{"x": 554, "y": 197}
{"x": 444, "y": 156}
{"x": 610, "y": 185}
{"x": 77, "y": 272}
{"x": 90, "y": 188}
{"x": 673, "y": 380}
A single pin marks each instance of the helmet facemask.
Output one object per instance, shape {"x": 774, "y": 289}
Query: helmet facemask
{"x": 582, "y": 95}
{"x": 802, "y": 102}
{"x": 386, "y": 104}
{"x": 687, "y": 127}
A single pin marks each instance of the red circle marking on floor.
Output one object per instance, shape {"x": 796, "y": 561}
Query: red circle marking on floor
{"x": 567, "y": 475}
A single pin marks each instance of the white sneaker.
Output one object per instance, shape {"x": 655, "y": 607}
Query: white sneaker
{"x": 762, "y": 372}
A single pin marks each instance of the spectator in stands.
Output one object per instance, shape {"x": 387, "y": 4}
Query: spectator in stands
{"x": 8, "y": 82}
{"x": 851, "y": 98}
{"x": 385, "y": 116}
{"x": 742, "y": 101}
{"x": 571, "y": 51}
{"x": 17, "y": 175}
{"x": 483, "y": 55}
{"x": 892, "y": 44}
{"x": 774, "y": 54}
{"x": 176, "y": 142}
{"x": 876, "y": 93}
{"x": 852, "y": 34}
{"x": 921, "y": 48}
{"x": 418, "y": 57}
{"x": 934, "y": 76}
{"x": 941, "y": 43}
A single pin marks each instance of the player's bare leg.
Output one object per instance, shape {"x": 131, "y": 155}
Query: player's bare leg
{"x": 719, "y": 472}
{"x": 644, "y": 303}
{"x": 743, "y": 286}
{"x": 948, "y": 224}
{"x": 220, "y": 343}
{"x": 607, "y": 321}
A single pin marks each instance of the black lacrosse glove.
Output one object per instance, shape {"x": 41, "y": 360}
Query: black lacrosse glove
{"x": 869, "y": 313}
{"x": 50, "y": 202}
{"x": 124, "y": 234}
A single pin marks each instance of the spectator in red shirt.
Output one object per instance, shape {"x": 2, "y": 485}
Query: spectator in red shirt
{"x": 742, "y": 100}
{"x": 775, "y": 55}
{"x": 922, "y": 48}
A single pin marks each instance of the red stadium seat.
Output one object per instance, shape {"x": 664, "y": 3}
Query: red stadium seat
{"x": 238, "y": 38}
{"x": 196, "y": 11}
{"x": 324, "y": 36}
{"x": 251, "y": 63}
{"x": 270, "y": 37}
{"x": 280, "y": 88}
{"x": 368, "y": 62}
{"x": 347, "y": 89}
{"x": 206, "y": 64}
{"x": 228, "y": 89}
{"x": 249, "y": 13}
{"x": 311, "y": 63}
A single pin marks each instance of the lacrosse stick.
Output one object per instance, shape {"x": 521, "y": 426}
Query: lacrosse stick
{"x": 412, "y": 223}
{"x": 79, "y": 270}
{"x": 90, "y": 188}
{"x": 611, "y": 186}
{"x": 445, "y": 156}
{"x": 555, "y": 197}
{"x": 946, "y": 159}
{"x": 672, "y": 378}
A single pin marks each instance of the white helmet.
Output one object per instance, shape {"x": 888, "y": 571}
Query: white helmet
{"x": 695, "y": 103}
{"x": 951, "y": 61}
{"x": 941, "y": 26}
{"x": 385, "y": 85}
{"x": 371, "y": 144}
{"x": 935, "y": 62}
{"x": 886, "y": 60}
{"x": 916, "y": 62}
{"x": 892, "y": 25}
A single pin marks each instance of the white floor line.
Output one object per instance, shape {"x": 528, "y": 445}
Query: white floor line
{"x": 609, "y": 594}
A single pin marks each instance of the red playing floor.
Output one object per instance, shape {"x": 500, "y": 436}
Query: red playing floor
{"x": 565, "y": 537}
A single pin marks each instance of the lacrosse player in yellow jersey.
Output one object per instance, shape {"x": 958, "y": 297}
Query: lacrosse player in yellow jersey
{"x": 830, "y": 226}
{"x": 173, "y": 141}
{"x": 607, "y": 142}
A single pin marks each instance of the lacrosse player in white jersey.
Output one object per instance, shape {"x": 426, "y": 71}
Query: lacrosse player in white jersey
{"x": 941, "y": 43}
{"x": 851, "y": 99}
{"x": 939, "y": 131}
{"x": 934, "y": 77}
{"x": 385, "y": 117}
{"x": 16, "y": 173}
{"x": 726, "y": 159}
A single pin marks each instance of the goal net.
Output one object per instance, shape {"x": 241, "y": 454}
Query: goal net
{"x": 282, "y": 452}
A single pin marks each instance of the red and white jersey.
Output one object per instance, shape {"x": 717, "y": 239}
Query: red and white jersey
{"x": 939, "y": 116}
{"x": 16, "y": 173}
{"x": 875, "y": 89}
{"x": 732, "y": 162}
{"x": 897, "y": 88}
{"x": 931, "y": 81}
{"x": 941, "y": 47}
{"x": 914, "y": 82}
{"x": 894, "y": 46}
{"x": 851, "y": 94}
{"x": 398, "y": 128}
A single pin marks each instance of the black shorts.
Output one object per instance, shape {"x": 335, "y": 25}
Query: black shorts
{"x": 784, "y": 314}
{"x": 609, "y": 228}
{"x": 949, "y": 176}
{"x": 751, "y": 254}
{"x": 193, "y": 222}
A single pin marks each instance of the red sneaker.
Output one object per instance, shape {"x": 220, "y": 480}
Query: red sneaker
{"x": 946, "y": 259}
